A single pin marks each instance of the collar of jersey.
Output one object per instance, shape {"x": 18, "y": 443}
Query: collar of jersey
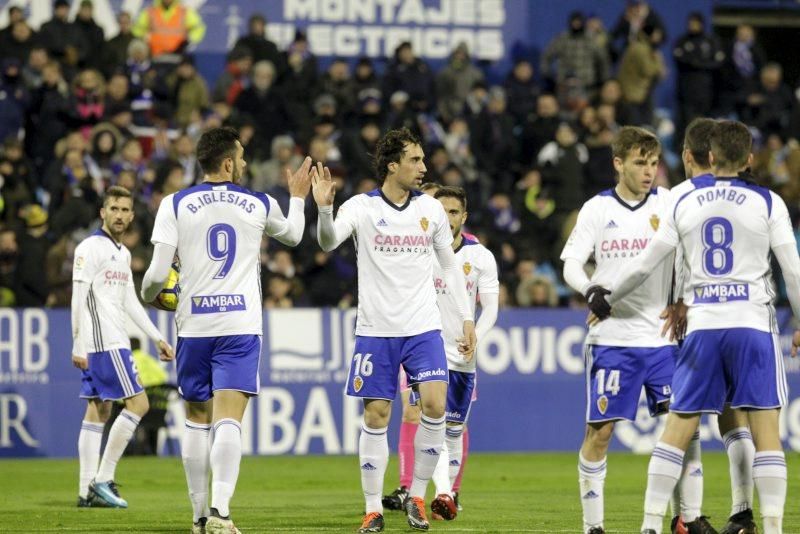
{"x": 464, "y": 241}
{"x": 392, "y": 204}
{"x": 622, "y": 200}
{"x": 101, "y": 232}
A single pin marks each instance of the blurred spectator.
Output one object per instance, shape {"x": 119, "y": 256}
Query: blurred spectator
{"x": 454, "y": 81}
{"x": 264, "y": 104}
{"x": 611, "y": 95}
{"x": 9, "y": 266}
{"x": 540, "y": 128}
{"x": 596, "y": 31}
{"x": 330, "y": 279}
{"x": 87, "y": 105}
{"x": 183, "y": 152}
{"x": 45, "y": 121}
{"x": 357, "y": 150}
{"x": 15, "y": 14}
{"x": 537, "y": 291}
{"x": 576, "y": 56}
{"x": 32, "y": 288}
{"x": 743, "y": 62}
{"x": 299, "y": 83}
{"x": 493, "y": 141}
{"x": 104, "y": 145}
{"x": 279, "y": 289}
{"x": 459, "y": 150}
{"x": 117, "y": 93}
{"x": 768, "y": 106}
{"x": 411, "y": 75}
{"x": 169, "y": 27}
{"x": 262, "y": 48}
{"x": 365, "y": 77}
{"x": 641, "y": 67}
{"x": 337, "y": 83}
{"x": 189, "y": 92}
{"x": 401, "y": 115}
{"x": 74, "y": 192}
{"x": 63, "y": 39}
{"x": 15, "y": 188}
{"x": 14, "y": 98}
{"x": 562, "y": 162}
{"x": 599, "y": 169}
{"x": 32, "y": 71}
{"x": 236, "y": 75}
{"x": 269, "y": 173}
{"x": 636, "y": 16}
{"x": 698, "y": 56}
{"x": 19, "y": 42}
{"x": 521, "y": 91}
{"x": 115, "y": 50}
{"x": 92, "y": 36}
{"x": 538, "y": 228}
{"x": 778, "y": 163}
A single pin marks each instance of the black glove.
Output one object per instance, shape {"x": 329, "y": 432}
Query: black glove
{"x": 596, "y": 299}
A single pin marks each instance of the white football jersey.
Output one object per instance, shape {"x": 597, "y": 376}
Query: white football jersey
{"x": 395, "y": 247}
{"x": 217, "y": 230}
{"x": 105, "y": 265}
{"x": 480, "y": 272}
{"x": 614, "y": 231}
{"x": 726, "y": 227}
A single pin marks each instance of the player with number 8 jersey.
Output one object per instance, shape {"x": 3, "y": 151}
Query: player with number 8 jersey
{"x": 216, "y": 229}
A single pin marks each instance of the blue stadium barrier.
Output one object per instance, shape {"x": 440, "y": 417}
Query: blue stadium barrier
{"x": 531, "y": 387}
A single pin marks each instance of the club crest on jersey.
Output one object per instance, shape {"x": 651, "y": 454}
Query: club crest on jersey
{"x": 423, "y": 222}
{"x": 602, "y": 404}
{"x": 358, "y": 383}
{"x": 654, "y": 220}
{"x": 467, "y": 268}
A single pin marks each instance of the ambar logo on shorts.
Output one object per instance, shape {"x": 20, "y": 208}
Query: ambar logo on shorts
{"x": 217, "y": 303}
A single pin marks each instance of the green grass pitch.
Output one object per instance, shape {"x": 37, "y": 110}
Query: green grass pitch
{"x": 501, "y": 493}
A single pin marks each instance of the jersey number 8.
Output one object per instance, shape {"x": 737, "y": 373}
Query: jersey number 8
{"x": 717, "y": 239}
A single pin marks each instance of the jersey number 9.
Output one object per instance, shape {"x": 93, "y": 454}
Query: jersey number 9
{"x": 221, "y": 241}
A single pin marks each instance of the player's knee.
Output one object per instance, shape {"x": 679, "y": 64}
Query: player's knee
{"x": 377, "y": 413}
{"x": 411, "y": 413}
{"x": 598, "y": 437}
{"x": 433, "y": 407}
{"x": 138, "y": 404}
{"x": 103, "y": 410}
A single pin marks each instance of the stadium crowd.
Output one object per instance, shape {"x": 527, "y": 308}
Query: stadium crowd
{"x": 79, "y": 113}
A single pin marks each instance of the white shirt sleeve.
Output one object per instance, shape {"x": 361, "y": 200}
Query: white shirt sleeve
{"x": 487, "y": 280}
{"x": 454, "y": 278}
{"x": 84, "y": 267}
{"x": 137, "y": 314}
{"x": 80, "y": 290}
{"x": 780, "y": 224}
{"x": 331, "y": 233}
{"x": 288, "y": 230}
{"x": 575, "y": 276}
{"x": 442, "y": 235}
{"x": 165, "y": 228}
{"x": 158, "y": 272}
{"x": 639, "y": 269}
{"x": 789, "y": 260}
{"x": 489, "y": 307}
{"x": 580, "y": 244}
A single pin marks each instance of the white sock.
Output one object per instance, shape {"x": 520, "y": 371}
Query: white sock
{"x": 118, "y": 437}
{"x": 427, "y": 448}
{"x": 663, "y": 473}
{"x": 591, "y": 479}
{"x": 195, "y": 450}
{"x": 454, "y": 437}
{"x": 441, "y": 475}
{"x": 89, "y": 440}
{"x": 741, "y": 453}
{"x": 373, "y": 457}
{"x": 691, "y": 483}
{"x": 769, "y": 475}
{"x": 225, "y": 457}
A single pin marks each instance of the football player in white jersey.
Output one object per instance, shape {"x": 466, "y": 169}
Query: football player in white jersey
{"x": 727, "y": 228}
{"x": 626, "y": 352}
{"x": 102, "y": 297}
{"x": 397, "y": 230}
{"x": 216, "y": 229}
{"x": 733, "y": 425}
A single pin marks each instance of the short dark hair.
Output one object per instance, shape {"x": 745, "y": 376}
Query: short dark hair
{"x": 731, "y": 142}
{"x": 633, "y": 137}
{"x": 453, "y": 191}
{"x": 115, "y": 191}
{"x": 390, "y": 149}
{"x": 427, "y": 186}
{"x": 215, "y": 146}
{"x": 697, "y": 139}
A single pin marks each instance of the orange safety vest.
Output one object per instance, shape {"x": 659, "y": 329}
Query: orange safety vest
{"x": 166, "y": 35}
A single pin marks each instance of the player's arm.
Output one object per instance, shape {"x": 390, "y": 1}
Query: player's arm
{"x": 289, "y": 229}
{"x": 454, "y": 278}
{"x": 578, "y": 248}
{"x": 165, "y": 241}
{"x": 331, "y": 233}
{"x": 137, "y": 314}
{"x": 158, "y": 271}
{"x": 639, "y": 269}
{"x": 784, "y": 246}
{"x": 80, "y": 291}
{"x": 489, "y": 292}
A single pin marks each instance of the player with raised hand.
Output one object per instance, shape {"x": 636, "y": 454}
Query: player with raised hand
{"x": 627, "y": 352}
{"x": 216, "y": 229}
{"x": 102, "y": 297}
{"x": 398, "y": 230}
{"x": 727, "y": 227}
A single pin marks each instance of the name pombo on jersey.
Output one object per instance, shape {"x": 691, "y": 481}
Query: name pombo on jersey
{"x": 229, "y": 197}
{"x": 721, "y": 193}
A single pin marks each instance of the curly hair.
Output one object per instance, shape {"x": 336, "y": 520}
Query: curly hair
{"x": 390, "y": 149}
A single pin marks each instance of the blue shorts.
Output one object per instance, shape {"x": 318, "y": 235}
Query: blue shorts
{"x": 376, "y": 363}
{"x": 615, "y": 377}
{"x": 208, "y": 364}
{"x": 87, "y": 386}
{"x": 460, "y": 395}
{"x": 740, "y": 366}
{"x": 112, "y": 375}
